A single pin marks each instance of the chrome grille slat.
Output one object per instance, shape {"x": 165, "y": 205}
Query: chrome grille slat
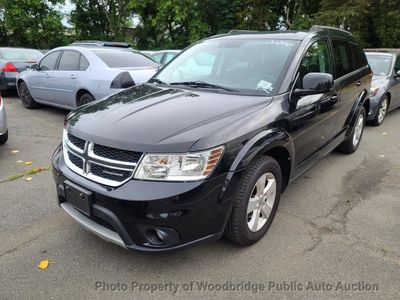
{"x": 80, "y": 156}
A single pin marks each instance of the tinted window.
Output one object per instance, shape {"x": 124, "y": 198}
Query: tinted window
{"x": 69, "y": 61}
{"x": 83, "y": 64}
{"x": 247, "y": 65}
{"x": 397, "y": 65}
{"x": 124, "y": 59}
{"x": 49, "y": 61}
{"x": 380, "y": 64}
{"x": 343, "y": 58}
{"x": 360, "y": 60}
{"x": 28, "y": 55}
{"x": 316, "y": 60}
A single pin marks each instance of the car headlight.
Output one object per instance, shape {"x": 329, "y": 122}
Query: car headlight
{"x": 179, "y": 167}
{"x": 374, "y": 91}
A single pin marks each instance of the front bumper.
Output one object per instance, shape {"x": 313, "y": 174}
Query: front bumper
{"x": 129, "y": 215}
{"x": 3, "y": 120}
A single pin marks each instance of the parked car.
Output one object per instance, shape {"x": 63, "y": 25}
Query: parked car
{"x": 385, "y": 88}
{"x": 187, "y": 158}
{"x": 13, "y": 61}
{"x": 70, "y": 76}
{"x": 163, "y": 57}
{"x": 3, "y": 123}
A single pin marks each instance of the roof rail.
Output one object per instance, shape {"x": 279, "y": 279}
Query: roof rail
{"x": 237, "y": 31}
{"x": 316, "y": 28}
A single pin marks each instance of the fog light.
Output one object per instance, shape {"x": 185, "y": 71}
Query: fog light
{"x": 161, "y": 237}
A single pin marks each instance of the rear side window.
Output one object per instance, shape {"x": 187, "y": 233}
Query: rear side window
{"x": 83, "y": 63}
{"x": 316, "y": 60}
{"x": 69, "y": 61}
{"x": 360, "y": 59}
{"x": 343, "y": 58}
{"x": 124, "y": 59}
{"x": 49, "y": 61}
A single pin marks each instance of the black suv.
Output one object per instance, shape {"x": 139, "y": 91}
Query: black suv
{"x": 208, "y": 145}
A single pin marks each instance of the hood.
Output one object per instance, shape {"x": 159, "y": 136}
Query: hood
{"x": 151, "y": 118}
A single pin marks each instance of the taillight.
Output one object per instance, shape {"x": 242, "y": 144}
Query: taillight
{"x": 9, "y": 67}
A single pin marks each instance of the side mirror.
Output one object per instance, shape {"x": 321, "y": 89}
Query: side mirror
{"x": 34, "y": 67}
{"x": 315, "y": 83}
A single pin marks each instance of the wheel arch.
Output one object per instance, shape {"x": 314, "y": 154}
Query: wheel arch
{"x": 79, "y": 94}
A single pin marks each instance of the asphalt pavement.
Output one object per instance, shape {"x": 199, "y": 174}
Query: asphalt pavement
{"x": 336, "y": 233}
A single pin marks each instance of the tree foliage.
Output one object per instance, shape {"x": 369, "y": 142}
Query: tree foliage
{"x": 156, "y": 24}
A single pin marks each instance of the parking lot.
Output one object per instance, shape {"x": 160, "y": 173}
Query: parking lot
{"x": 338, "y": 223}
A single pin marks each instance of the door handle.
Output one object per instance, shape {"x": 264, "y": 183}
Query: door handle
{"x": 47, "y": 75}
{"x": 358, "y": 83}
{"x": 72, "y": 76}
{"x": 334, "y": 98}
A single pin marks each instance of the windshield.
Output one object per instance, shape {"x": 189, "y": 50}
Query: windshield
{"x": 28, "y": 55}
{"x": 380, "y": 64}
{"x": 124, "y": 59}
{"x": 247, "y": 65}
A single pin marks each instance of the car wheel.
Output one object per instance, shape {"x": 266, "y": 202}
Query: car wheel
{"x": 351, "y": 144}
{"x": 4, "y": 138}
{"x": 382, "y": 110}
{"x": 85, "y": 99}
{"x": 26, "y": 98}
{"x": 256, "y": 200}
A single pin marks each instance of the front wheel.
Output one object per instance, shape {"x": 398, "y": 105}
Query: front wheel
{"x": 382, "y": 110}
{"x": 4, "y": 138}
{"x": 256, "y": 201}
{"x": 353, "y": 141}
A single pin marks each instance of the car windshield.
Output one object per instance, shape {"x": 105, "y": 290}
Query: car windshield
{"x": 28, "y": 55}
{"x": 124, "y": 59}
{"x": 253, "y": 66}
{"x": 380, "y": 64}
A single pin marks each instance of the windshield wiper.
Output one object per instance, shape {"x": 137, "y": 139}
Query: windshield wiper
{"x": 202, "y": 84}
{"x": 156, "y": 80}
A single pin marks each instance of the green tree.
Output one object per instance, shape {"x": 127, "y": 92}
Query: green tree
{"x": 101, "y": 19}
{"x": 31, "y": 23}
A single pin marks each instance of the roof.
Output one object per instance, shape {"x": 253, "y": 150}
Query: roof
{"x": 384, "y": 50}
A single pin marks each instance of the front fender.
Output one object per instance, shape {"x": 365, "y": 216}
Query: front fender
{"x": 261, "y": 143}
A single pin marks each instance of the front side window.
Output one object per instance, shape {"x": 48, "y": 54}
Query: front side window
{"x": 343, "y": 58}
{"x": 248, "y": 65}
{"x": 69, "y": 61}
{"x": 380, "y": 64}
{"x": 49, "y": 61}
{"x": 316, "y": 60}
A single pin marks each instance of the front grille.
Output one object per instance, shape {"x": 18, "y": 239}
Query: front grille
{"x": 76, "y": 160}
{"x": 110, "y": 173}
{"x": 102, "y": 164}
{"x": 116, "y": 154}
{"x": 77, "y": 141}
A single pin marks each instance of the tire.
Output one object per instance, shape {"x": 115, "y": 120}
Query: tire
{"x": 241, "y": 228}
{"x": 4, "y": 138}
{"x": 85, "y": 99}
{"x": 350, "y": 145}
{"x": 381, "y": 113}
{"x": 26, "y": 98}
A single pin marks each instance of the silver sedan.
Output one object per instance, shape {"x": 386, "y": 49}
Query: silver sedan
{"x": 3, "y": 123}
{"x": 71, "y": 76}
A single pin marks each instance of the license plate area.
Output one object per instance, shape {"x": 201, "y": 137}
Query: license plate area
{"x": 78, "y": 197}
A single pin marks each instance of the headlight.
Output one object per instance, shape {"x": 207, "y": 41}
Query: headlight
{"x": 179, "y": 167}
{"x": 374, "y": 91}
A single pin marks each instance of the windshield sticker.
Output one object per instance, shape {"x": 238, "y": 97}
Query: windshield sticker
{"x": 265, "y": 86}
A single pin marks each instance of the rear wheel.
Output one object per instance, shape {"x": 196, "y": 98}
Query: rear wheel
{"x": 84, "y": 99}
{"x": 26, "y": 98}
{"x": 256, "y": 200}
{"x": 4, "y": 138}
{"x": 382, "y": 110}
{"x": 351, "y": 144}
